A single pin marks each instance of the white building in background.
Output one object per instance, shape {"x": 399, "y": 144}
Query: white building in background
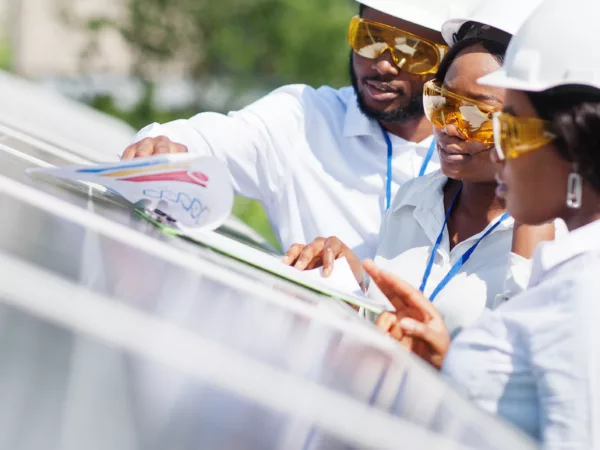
{"x": 40, "y": 46}
{"x": 48, "y": 49}
{"x": 45, "y": 48}
{"x": 45, "y": 45}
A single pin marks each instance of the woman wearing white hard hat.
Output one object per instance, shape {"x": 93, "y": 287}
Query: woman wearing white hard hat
{"x": 536, "y": 360}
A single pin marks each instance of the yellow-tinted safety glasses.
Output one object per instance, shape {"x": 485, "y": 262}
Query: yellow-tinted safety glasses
{"x": 515, "y": 136}
{"x": 409, "y": 52}
{"x": 472, "y": 118}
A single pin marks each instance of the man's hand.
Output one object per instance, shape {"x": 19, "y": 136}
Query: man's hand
{"x": 153, "y": 146}
{"x": 323, "y": 252}
{"x": 416, "y": 324}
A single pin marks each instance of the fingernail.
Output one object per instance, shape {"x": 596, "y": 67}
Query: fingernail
{"x": 409, "y": 325}
{"x": 326, "y": 272}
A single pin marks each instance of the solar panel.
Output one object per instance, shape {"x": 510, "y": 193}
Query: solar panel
{"x": 115, "y": 335}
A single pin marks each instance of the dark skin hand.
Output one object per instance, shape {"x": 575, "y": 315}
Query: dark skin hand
{"x": 416, "y": 323}
{"x": 323, "y": 252}
{"x": 153, "y": 146}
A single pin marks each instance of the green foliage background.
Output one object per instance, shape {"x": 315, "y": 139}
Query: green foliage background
{"x": 245, "y": 44}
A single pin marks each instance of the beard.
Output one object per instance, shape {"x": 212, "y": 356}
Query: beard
{"x": 413, "y": 110}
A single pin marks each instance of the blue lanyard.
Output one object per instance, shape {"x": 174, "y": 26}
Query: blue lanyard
{"x": 427, "y": 158}
{"x": 388, "y": 187}
{"x": 463, "y": 259}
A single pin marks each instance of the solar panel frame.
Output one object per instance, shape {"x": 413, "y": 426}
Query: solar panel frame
{"x": 99, "y": 248}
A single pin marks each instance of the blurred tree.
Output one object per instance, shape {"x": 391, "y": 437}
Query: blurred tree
{"x": 243, "y": 44}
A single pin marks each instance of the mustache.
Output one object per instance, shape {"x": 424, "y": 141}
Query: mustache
{"x": 413, "y": 110}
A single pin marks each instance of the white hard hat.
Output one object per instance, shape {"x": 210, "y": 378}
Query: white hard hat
{"x": 505, "y": 15}
{"x": 558, "y": 45}
{"x": 426, "y": 13}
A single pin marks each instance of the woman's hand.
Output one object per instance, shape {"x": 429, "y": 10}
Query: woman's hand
{"x": 416, "y": 324}
{"x": 323, "y": 253}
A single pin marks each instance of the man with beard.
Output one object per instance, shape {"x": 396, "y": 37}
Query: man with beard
{"x": 327, "y": 162}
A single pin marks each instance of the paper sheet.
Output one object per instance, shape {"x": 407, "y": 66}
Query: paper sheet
{"x": 340, "y": 284}
{"x": 341, "y": 278}
{"x": 195, "y": 191}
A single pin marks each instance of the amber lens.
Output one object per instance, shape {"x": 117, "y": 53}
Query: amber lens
{"x": 411, "y": 54}
{"x": 518, "y": 135}
{"x": 472, "y": 119}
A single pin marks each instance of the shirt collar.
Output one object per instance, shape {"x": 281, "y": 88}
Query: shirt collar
{"x": 426, "y": 194}
{"x": 552, "y": 254}
{"x": 425, "y": 191}
{"x": 356, "y": 123}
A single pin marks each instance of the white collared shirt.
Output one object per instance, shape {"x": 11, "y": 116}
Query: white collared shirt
{"x": 536, "y": 359}
{"x": 317, "y": 164}
{"x": 408, "y": 234}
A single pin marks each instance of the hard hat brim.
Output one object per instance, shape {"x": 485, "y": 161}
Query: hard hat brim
{"x": 501, "y": 79}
